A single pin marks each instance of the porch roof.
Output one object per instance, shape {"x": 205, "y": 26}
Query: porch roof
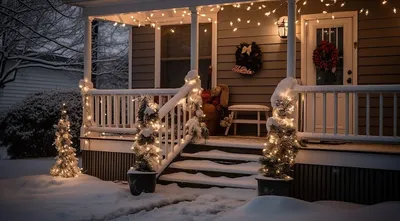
{"x": 109, "y": 7}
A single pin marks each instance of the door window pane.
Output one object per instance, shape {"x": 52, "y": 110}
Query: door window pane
{"x": 335, "y": 36}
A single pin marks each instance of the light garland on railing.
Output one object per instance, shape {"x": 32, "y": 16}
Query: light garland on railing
{"x": 196, "y": 126}
{"x": 87, "y": 117}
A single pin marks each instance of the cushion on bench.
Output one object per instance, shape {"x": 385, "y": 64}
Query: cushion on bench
{"x": 248, "y": 107}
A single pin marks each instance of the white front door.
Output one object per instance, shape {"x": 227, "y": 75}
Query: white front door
{"x": 339, "y": 32}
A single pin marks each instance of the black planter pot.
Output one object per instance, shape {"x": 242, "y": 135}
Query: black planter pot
{"x": 141, "y": 182}
{"x": 277, "y": 187}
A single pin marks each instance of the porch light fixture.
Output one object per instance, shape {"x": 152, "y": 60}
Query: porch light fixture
{"x": 283, "y": 27}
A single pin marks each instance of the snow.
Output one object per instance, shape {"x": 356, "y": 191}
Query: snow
{"x": 285, "y": 208}
{"x": 42, "y": 197}
{"x": 284, "y": 88}
{"x": 234, "y": 142}
{"x": 206, "y": 165}
{"x": 247, "y": 182}
{"x": 217, "y": 154}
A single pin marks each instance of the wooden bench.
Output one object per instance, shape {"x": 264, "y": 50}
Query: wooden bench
{"x": 235, "y": 109}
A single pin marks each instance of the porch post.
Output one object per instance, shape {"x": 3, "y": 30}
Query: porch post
{"x": 194, "y": 40}
{"x": 291, "y": 40}
{"x": 130, "y": 57}
{"x": 87, "y": 54}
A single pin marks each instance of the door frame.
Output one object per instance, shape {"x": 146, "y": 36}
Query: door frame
{"x": 305, "y": 19}
{"x": 310, "y": 17}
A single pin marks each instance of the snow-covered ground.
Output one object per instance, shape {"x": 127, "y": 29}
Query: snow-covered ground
{"x": 41, "y": 197}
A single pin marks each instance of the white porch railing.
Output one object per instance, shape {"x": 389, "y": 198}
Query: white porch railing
{"x": 115, "y": 112}
{"x": 349, "y": 102}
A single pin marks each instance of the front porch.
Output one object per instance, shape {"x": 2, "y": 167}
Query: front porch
{"x": 362, "y": 120}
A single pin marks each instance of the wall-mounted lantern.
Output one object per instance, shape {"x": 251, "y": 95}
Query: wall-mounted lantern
{"x": 283, "y": 27}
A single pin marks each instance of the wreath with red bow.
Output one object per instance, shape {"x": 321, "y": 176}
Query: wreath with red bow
{"x": 248, "y": 58}
{"x": 326, "y": 57}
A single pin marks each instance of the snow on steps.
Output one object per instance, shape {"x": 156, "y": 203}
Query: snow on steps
{"x": 250, "y": 168}
{"x": 247, "y": 182}
{"x": 221, "y": 155}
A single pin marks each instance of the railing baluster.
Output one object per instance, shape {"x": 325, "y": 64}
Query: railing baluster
{"x": 347, "y": 114}
{"x": 123, "y": 104}
{"x": 335, "y": 112}
{"x": 103, "y": 112}
{"x": 179, "y": 109}
{"x": 172, "y": 129}
{"x": 367, "y": 114}
{"x": 131, "y": 111}
{"x": 109, "y": 108}
{"x": 356, "y": 113}
{"x": 116, "y": 110}
{"x": 166, "y": 134}
{"x": 184, "y": 106}
{"x": 314, "y": 110}
{"x": 96, "y": 110}
{"x": 324, "y": 112}
{"x": 395, "y": 114}
{"x": 380, "y": 114}
{"x": 160, "y": 101}
{"x": 136, "y": 102}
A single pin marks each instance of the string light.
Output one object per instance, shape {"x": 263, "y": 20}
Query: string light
{"x": 258, "y": 23}
{"x": 394, "y": 10}
{"x": 267, "y": 13}
{"x": 384, "y": 2}
{"x": 343, "y": 4}
{"x": 235, "y": 29}
{"x": 239, "y": 20}
{"x": 248, "y": 21}
{"x": 116, "y": 23}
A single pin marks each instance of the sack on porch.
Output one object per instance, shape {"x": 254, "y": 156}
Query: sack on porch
{"x": 215, "y": 104}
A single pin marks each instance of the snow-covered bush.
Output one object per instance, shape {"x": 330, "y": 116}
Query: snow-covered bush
{"x": 28, "y": 127}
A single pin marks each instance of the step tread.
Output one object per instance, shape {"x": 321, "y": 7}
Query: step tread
{"x": 207, "y": 165}
{"x": 222, "y": 155}
{"x": 248, "y": 182}
{"x": 234, "y": 142}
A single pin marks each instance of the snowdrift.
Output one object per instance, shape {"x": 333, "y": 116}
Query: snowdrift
{"x": 275, "y": 208}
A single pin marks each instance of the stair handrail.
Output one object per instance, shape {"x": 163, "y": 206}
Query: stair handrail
{"x": 192, "y": 85}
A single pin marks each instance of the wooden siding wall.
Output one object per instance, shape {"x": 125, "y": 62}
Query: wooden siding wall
{"x": 143, "y": 57}
{"x": 378, "y": 54}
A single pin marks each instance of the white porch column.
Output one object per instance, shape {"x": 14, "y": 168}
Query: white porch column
{"x": 87, "y": 55}
{"x": 194, "y": 40}
{"x": 291, "y": 40}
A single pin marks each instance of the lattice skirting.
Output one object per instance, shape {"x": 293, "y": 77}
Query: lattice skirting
{"x": 357, "y": 185}
{"x": 109, "y": 166}
{"x": 311, "y": 182}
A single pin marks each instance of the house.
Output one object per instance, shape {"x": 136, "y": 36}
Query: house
{"x": 35, "y": 79}
{"x": 357, "y": 107}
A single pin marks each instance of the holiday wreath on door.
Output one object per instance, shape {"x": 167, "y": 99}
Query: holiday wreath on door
{"x": 248, "y": 59}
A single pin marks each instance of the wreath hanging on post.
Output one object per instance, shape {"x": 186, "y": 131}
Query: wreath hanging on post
{"x": 326, "y": 57}
{"x": 248, "y": 58}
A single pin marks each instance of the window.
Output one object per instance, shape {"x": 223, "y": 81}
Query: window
{"x": 175, "y": 54}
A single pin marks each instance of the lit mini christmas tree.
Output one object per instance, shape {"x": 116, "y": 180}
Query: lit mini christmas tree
{"x": 147, "y": 153}
{"x": 281, "y": 147}
{"x": 66, "y": 162}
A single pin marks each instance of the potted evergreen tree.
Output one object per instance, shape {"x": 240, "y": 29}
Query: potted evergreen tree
{"x": 142, "y": 176}
{"x": 282, "y": 145}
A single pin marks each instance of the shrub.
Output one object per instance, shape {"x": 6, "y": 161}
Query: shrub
{"x": 27, "y": 129}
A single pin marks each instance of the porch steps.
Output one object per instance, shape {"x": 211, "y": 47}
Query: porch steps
{"x": 221, "y": 155}
{"x": 205, "y": 181}
{"x": 215, "y": 164}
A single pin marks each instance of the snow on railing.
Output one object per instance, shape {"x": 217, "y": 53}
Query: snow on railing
{"x": 354, "y": 113}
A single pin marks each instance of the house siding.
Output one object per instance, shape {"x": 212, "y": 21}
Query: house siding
{"x": 143, "y": 39}
{"x": 33, "y": 80}
{"x": 378, "y": 54}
